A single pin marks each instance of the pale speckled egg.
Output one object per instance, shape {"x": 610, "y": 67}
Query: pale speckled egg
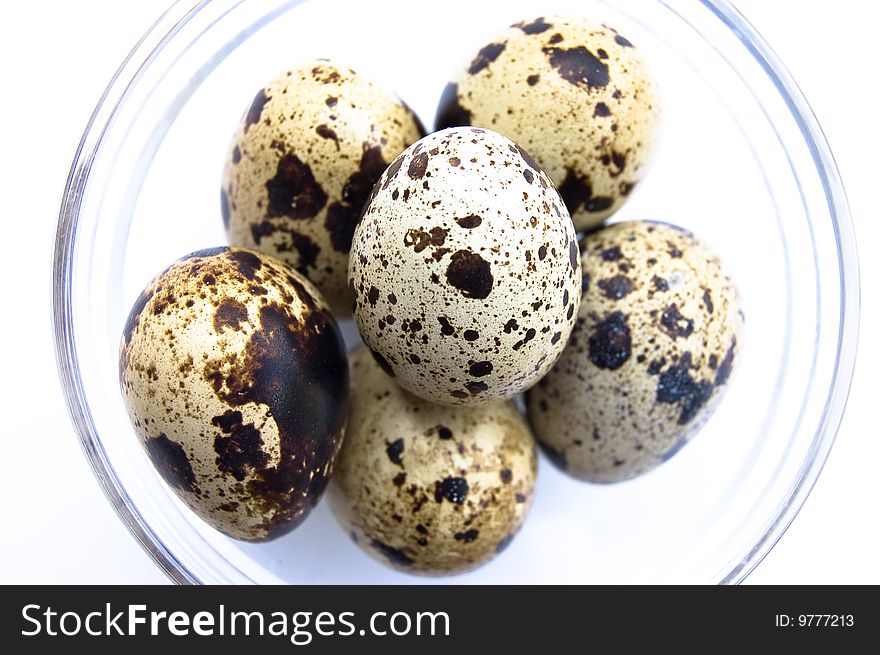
{"x": 302, "y": 164}
{"x": 657, "y": 335}
{"x": 427, "y": 488}
{"x": 575, "y": 94}
{"x": 465, "y": 270}
{"x": 236, "y": 382}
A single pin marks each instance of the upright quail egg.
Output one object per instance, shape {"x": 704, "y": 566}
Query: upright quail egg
{"x": 574, "y": 93}
{"x": 465, "y": 270}
{"x": 426, "y": 488}
{"x": 302, "y": 164}
{"x": 657, "y": 334}
{"x": 236, "y": 381}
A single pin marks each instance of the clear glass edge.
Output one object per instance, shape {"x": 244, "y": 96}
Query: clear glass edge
{"x": 183, "y": 10}
{"x": 847, "y": 257}
{"x": 65, "y": 354}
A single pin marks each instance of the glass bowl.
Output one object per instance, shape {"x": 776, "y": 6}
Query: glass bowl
{"x": 741, "y": 162}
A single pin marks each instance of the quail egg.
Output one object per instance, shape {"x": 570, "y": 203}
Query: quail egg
{"x": 656, "y": 339}
{"x": 302, "y": 164}
{"x": 425, "y": 488}
{"x": 236, "y": 382}
{"x": 574, "y": 93}
{"x": 465, "y": 270}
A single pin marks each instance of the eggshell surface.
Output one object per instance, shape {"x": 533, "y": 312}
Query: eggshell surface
{"x": 236, "y": 382}
{"x": 657, "y": 336}
{"x": 427, "y": 488}
{"x": 465, "y": 269}
{"x": 575, "y": 94}
{"x": 302, "y": 163}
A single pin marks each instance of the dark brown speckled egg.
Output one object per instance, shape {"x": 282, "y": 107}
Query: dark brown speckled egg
{"x": 302, "y": 164}
{"x": 236, "y": 382}
{"x": 577, "y": 95}
{"x": 427, "y": 488}
{"x": 464, "y": 270}
{"x": 656, "y": 339}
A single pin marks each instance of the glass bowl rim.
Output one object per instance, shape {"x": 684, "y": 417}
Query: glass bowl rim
{"x": 177, "y": 15}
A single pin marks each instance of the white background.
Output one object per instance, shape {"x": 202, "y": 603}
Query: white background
{"x": 56, "y": 58}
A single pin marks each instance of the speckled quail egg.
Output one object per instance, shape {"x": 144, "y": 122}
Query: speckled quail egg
{"x": 236, "y": 381}
{"x": 574, "y": 93}
{"x": 656, "y": 338}
{"x": 302, "y": 164}
{"x": 465, "y": 270}
{"x": 427, "y": 488}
